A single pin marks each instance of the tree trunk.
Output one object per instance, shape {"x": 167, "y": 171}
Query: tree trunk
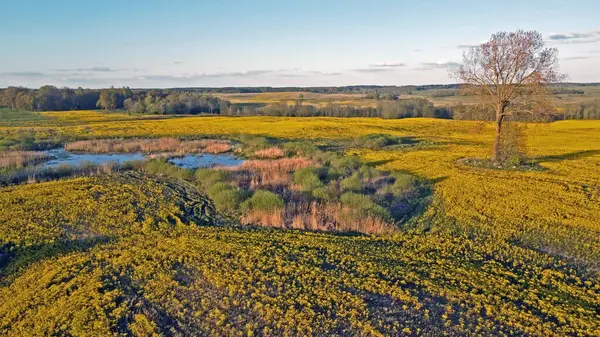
{"x": 499, "y": 117}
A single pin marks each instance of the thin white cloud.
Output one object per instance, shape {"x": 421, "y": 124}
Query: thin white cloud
{"x": 575, "y": 37}
{"x": 577, "y": 58}
{"x": 23, "y": 74}
{"x": 438, "y": 65}
{"x": 93, "y": 69}
{"x": 324, "y": 73}
{"x": 374, "y": 70}
{"x": 237, "y": 74}
{"x": 387, "y": 65}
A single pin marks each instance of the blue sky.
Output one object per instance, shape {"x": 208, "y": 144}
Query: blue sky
{"x": 174, "y": 43}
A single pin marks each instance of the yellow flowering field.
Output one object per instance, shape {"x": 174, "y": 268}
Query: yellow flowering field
{"x": 120, "y": 255}
{"x": 496, "y": 252}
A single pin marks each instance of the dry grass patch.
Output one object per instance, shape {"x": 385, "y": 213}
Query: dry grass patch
{"x": 20, "y": 159}
{"x": 167, "y": 144}
{"x": 314, "y": 216}
{"x": 270, "y": 153}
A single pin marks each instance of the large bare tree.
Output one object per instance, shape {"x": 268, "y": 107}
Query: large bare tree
{"x": 510, "y": 73}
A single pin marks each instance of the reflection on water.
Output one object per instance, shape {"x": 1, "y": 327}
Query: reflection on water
{"x": 206, "y": 160}
{"x": 62, "y": 157}
{"x": 191, "y": 161}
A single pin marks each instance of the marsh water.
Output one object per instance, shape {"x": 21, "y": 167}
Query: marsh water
{"x": 193, "y": 161}
{"x": 190, "y": 161}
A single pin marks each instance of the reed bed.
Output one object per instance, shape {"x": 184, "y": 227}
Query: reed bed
{"x": 166, "y": 144}
{"x": 270, "y": 153}
{"x": 20, "y": 159}
{"x": 314, "y": 216}
{"x": 255, "y": 174}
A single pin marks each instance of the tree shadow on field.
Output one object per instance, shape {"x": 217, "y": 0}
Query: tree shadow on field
{"x": 16, "y": 259}
{"x": 419, "y": 201}
{"x": 568, "y": 156}
{"x": 379, "y": 162}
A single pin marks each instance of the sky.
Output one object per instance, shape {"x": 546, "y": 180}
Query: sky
{"x": 216, "y": 43}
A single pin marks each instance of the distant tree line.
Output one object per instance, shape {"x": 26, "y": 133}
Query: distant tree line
{"x": 50, "y": 98}
{"x": 588, "y": 110}
{"x": 401, "y": 108}
{"x": 172, "y": 101}
{"x": 193, "y": 101}
{"x": 567, "y": 91}
{"x": 351, "y": 89}
{"x": 481, "y": 113}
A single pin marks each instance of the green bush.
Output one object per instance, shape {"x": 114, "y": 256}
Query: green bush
{"x": 163, "y": 167}
{"x": 343, "y": 166}
{"x": 227, "y": 198}
{"x": 352, "y": 183}
{"x": 402, "y": 184}
{"x": 346, "y": 162}
{"x": 300, "y": 148}
{"x": 321, "y": 194}
{"x": 208, "y": 177}
{"x": 377, "y": 141}
{"x": 263, "y": 200}
{"x": 255, "y": 142}
{"x": 368, "y": 172}
{"x": 308, "y": 179}
{"x": 362, "y": 205}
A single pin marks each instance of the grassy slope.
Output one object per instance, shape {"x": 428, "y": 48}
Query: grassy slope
{"x": 102, "y": 266}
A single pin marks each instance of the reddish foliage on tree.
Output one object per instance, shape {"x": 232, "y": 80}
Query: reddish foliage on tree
{"x": 510, "y": 72}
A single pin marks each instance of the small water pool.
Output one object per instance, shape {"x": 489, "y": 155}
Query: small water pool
{"x": 190, "y": 161}
{"x": 206, "y": 160}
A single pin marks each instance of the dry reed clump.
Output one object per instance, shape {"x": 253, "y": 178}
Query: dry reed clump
{"x": 20, "y": 159}
{"x": 331, "y": 217}
{"x": 168, "y": 144}
{"x": 270, "y": 153}
{"x": 268, "y": 173}
{"x": 281, "y": 165}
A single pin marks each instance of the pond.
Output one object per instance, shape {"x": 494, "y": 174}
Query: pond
{"x": 190, "y": 161}
{"x": 206, "y": 160}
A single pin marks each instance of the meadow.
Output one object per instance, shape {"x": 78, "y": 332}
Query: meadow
{"x": 439, "y": 97}
{"x": 496, "y": 251}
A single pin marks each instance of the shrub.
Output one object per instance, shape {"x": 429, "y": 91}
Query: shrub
{"x": 227, "y": 198}
{"x": 346, "y": 164}
{"x": 514, "y": 160}
{"x": 255, "y": 142}
{"x": 377, "y": 141}
{"x": 362, "y": 205}
{"x": 300, "y": 148}
{"x": 208, "y": 177}
{"x": 162, "y": 167}
{"x": 402, "y": 184}
{"x": 321, "y": 194}
{"x": 352, "y": 183}
{"x": 308, "y": 179}
{"x": 263, "y": 200}
{"x": 368, "y": 172}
